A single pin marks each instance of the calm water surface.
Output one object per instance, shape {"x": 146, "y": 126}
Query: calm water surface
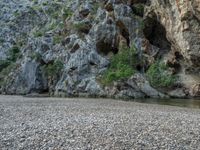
{"x": 190, "y": 103}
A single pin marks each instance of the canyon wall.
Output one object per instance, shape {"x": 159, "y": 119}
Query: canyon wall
{"x": 67, "y": 48}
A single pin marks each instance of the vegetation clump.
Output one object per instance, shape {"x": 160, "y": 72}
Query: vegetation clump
{"x": 159, "y": 76}
{"x": 138, "y": 9}
{"x": 14, "y": 53}
{"x": 38, "y": 33}
{"x": 4, "y": 72}
{"x": 53, "y": 69}
{"x": 36, "y": 56}
{"x": 121, "y": 67}
{"x": 7, "y": 65}
{"x": 66, "y": 13}
{"x": 82, "y": 27}
{"x": 4, "y": 64}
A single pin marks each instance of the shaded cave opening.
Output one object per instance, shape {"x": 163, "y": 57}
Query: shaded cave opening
{"x": 155, "y": 33}
{"x": 105, "y": 48}
{"x": 124, "y": 31}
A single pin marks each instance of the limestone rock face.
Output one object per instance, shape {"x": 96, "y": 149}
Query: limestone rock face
{"x": 29, "y": 80}
{"x": 66, "y": 46}
{"x": 181, "y": 20}
{"x": 136, "y": 87}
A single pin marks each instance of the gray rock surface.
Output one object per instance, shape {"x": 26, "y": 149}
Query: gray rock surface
{"x": 84, "y": 35}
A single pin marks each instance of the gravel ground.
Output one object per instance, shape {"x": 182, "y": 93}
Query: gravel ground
{"x": 56, "y": 124}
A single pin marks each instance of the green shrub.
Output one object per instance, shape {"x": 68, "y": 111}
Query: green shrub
{"x": 4, "y": 64}
{"x": 138, "y": 9}
{"x": 2, "y": 40}
{"x": 4, "y": 72}
{"x": 7, "y": 69}
{"x": 37, "y": 8}
{"x": 81, "y": 27}
{"x": 53, "y": 69}
{"x": 57, "y": 39}
{"x": 7, "y": 65}
{"x": 121, "y": 67}
{"x": 55, "y": 14}
{"x": 123, "y": 71}
{"x": 14, "y": 53}
{"x": 96, "y": 6}
{"x": 45, "y": 3}
{"x": 36, "y": 56}
{"x": 66, "y": 13}
{"x": 38, "y": 33}
{"x": 158, "y": 75}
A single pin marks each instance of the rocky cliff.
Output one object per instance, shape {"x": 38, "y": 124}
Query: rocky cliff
{"x": 108, "y": 48}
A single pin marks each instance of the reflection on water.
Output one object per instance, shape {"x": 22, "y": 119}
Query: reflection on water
{"x": 190, "y": 103}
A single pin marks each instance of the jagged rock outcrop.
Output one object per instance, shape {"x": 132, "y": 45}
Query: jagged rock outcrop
{"x": 181, "y": 20}
{"x": 66, "y": 46}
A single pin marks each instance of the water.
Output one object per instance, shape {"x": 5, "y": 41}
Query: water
{"x": 190, "y": 103}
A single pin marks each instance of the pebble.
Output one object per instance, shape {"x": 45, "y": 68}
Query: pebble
{"x": 87, "y": 124}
